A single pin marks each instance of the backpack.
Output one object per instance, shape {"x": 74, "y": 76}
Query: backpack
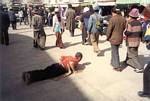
{"x": 99, "y": 25}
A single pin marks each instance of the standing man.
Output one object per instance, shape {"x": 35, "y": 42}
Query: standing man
{"x": 84, "y": 21}
{"x": 5, "y": 25}
{"x": 13, "y": 19}
{"x": 70, "y": 20}
{"x": 93, "y": 31}
{"x": 39, "y": 33}
{"x": 115, "y": 36}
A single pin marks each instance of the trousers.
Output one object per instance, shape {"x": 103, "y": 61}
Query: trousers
{"x": 115, "y": 60}
{"x": 51, "y": 71}
{"x": 132, "y": 57}
{"x": 146, "y": 79}
{"x": 94, "y": 40}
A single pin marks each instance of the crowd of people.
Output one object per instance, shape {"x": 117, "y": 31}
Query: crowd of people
{"x": 91, "y": 25}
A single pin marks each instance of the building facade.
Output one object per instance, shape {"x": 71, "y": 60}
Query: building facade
{"x": 56, "y": 2}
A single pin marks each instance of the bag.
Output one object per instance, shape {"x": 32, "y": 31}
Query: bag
{"x": 99, "y": 26}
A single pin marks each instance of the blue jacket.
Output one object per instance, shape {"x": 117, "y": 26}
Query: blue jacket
{"x": 92, "y": 23}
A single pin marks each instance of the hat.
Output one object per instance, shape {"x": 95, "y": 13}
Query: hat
{"x": 85, "y": 9}
{"x": 56, "y": 10}
{"x": 134, "y": 13}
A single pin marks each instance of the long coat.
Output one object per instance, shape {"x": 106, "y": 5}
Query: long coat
{"x": 37, "y": 22}
{"x": 115, "y": 29}
{"x": 70, "y": 19}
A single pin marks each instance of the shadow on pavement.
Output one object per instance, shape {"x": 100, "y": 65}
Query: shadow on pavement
{"x": 69, "y": 44}
{"x": 20, "y": 56}
{"x": 144, "y": 59}
{"x": 102, "y": 53}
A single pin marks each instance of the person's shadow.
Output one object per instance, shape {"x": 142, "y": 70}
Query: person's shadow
{"x": 81, "y": 67}
{"x": 102, "y": 53}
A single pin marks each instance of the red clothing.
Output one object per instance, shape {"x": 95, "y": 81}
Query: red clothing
{"x": 65, "y": 60}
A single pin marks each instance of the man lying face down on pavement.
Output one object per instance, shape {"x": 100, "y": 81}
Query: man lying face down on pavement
{"x": 65, "y": 67}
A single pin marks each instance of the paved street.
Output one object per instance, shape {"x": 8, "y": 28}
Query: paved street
{"x": 96, "y": 82}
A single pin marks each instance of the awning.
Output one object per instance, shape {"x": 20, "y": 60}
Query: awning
{"x": 85, "y": 4}
{"x": 106, "y": 3}
{"x": 145, "y": 2}
{"x": 128, "y": 1}
{"x": 75, "y": 5}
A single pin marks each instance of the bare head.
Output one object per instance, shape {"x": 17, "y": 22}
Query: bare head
{"x": 79, "y": 55}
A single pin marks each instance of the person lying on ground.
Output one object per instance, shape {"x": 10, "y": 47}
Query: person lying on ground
{"x": 65, "y": 67}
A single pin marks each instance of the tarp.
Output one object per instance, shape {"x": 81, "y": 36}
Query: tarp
{"x": 128, "y": 1}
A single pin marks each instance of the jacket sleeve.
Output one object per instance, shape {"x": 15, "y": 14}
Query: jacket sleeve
{"x": 109, "y": 30}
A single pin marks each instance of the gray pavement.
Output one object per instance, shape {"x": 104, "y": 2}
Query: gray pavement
{"x": 97, "y": 81}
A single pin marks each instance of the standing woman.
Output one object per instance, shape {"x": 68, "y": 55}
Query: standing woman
{"x": 58, "y": 28}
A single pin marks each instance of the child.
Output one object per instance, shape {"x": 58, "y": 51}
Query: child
{"x": 66, "y": 66}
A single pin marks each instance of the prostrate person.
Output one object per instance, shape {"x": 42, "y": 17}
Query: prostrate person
{"x": 65, "y": 67}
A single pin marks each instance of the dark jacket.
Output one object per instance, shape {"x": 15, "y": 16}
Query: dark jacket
{"x": 12, "y": 16}
{"x": 115, "y": 29}
{"x": 5, "y": 20}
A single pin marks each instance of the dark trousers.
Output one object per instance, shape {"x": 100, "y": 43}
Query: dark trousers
{"x": 84, "y": 34}
{"x": 71, "y": 32}
{"x": 4, "y": 36}
{"x": 51, "y": 71}
{"x": 14, "y": 24}
{"x": 115, "y": 60}
{"x": 50, "y": 21}
{"x": 146, "y": 79}
{"x": 132, "y": 57}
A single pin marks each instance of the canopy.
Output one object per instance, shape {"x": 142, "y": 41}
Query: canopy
{"x": 128, "y": 1}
